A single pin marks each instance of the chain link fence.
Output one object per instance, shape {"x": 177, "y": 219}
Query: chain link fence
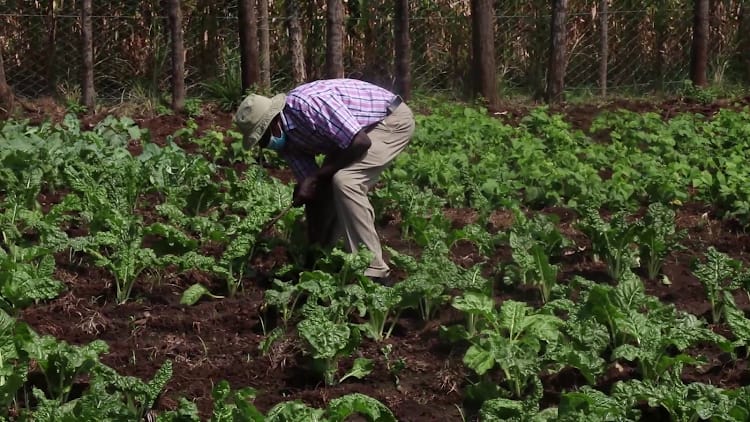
{"x": 649, "y": 45}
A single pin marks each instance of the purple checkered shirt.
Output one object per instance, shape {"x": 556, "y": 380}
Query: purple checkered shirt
{"x": 323, "y": 116}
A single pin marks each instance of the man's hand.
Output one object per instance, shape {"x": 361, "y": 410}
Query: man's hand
{"x": 306, "y": 191}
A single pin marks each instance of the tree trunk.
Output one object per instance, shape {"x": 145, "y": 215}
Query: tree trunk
{"x": 556, "y": 74}
{"x": 538, "y": 45}
{"x": 6, "y": 95}
{"x": 335, "y": 39}
{"x": 699, "y": 53}
{"x": 265, "y": 45}
{"x": 483, "y": 51}
{"x": 178, "y": 55}
{"x": 87, "y": 40}
{"x": 51, "y": 51}
{"x": 660, "y": 30}
{"x": 743, "y": 45}
{"x": 402, "y": 49}
{"x": 248, "y": 25}
{"x": 603, "y": 45}
{"x": 296, "y": 47}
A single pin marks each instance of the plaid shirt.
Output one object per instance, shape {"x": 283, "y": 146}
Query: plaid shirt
{"x": 323, "y": 116}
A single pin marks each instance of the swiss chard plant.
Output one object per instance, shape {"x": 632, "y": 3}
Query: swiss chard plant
{"x": 429, "y": 279}
{"x": 613, "y": 240}
{"x": 110, "y": 396}
{"x": 27, "y": 266}
{"x": 738, "y": 323}
{"x": 682, "y": 402}
{"x": 107, "y": 203}
{"x": 661, "y": 342}
{"x": 381, "y": 302}
{"x": 327, "y": 342}
{"x": 514, "y": 342}
{"x": 622, "y": 308}
{"x": 61, "y": 363}
{"x": 719, "y": 273}
{"x": 531, "y": 265}
{"x": 14, "y": 363}
{"x": 657, "y": 237}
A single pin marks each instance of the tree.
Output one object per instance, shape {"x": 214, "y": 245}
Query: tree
{"x": 248, "y": 24}
{"x": 6, "y": 94}
{"x": 402, "y": 49}
{"x": 174, "y": 13}
{"x": 265, "y": 45}
{"x": 335, "y": 39}
{"x": 743, "y": 46}
{"x": 483, "y": 50}
{"x": 556, "y": 74}
{"x": 296, "y": 48}
{"x": 603, "y": 45}
{"x": 699, "y": 53}
{"x": 88, "y": 93}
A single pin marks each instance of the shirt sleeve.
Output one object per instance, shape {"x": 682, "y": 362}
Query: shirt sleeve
{"x": 326, "y": 116}
{"x": 302, "y": 165}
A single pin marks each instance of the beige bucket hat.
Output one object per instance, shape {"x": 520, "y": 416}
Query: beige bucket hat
{"x": 254, "y": 115}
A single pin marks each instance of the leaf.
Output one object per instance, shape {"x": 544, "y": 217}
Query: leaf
{"x": 360, "y": 369}
{"x": 294, "y": 411}
{"x": 479, "y": 359}
{"x": 325, "y": 337}
{"x": 194, "y": 293}
{"x": 341, "y": 408}
{"x": 475, "y": 303}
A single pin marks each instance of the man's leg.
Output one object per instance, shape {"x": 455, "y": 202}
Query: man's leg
{"x": 350, "y": 186}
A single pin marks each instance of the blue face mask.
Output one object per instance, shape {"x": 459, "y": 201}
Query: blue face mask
{"x": 276, "y": 143}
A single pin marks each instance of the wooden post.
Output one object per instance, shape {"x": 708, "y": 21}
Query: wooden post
{"x": 483, "y": 51}
{"x": 88, "y": 93}
{"x": 699, "y": 53}
{"x": 248, "y": 25}
{"x": 402, "y": 49}
{"x": 335, "y": 39}
{"x": 603, "y": 45}
{"x": 556, "y": 73}
{"x": 178, "y": 55}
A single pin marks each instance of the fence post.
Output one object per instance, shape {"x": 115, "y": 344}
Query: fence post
{"x": 699, "y": 53}
{"x": 335, "y": 39}
{"x": 178, "y": 55}
{"x": 603, "y": 45}
{"x": 556, "y": 74}
{"x": 402, "y": 49}
{"x": 88, "y": 93}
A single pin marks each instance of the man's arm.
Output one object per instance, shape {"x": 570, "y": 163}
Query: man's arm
{"x": 333, "y": 162}
{"x": 343, "y": 158}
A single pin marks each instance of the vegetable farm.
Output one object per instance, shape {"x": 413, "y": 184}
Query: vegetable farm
{"x": 551, "y": 264}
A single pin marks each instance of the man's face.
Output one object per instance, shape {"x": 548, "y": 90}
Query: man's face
{"x": 274, "y": 128}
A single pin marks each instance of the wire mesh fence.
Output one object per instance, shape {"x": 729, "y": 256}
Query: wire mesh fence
{"x": 648, "y": 45}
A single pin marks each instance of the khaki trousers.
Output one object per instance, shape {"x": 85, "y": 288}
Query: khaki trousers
{"x": 346, "y": 210}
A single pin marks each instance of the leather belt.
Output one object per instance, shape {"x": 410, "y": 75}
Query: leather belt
{"x": 395, "y": 102}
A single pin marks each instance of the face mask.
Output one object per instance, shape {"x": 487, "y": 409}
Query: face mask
{"x": 276, "y": 143}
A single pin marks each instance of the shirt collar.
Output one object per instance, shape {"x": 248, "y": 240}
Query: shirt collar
{"x": 287, "y": 124}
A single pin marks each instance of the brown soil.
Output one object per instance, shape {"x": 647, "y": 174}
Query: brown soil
{"x": 218, "y": 339}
